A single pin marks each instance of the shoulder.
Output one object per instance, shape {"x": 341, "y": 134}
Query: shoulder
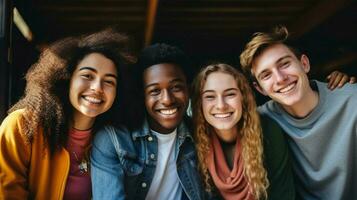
{"x": 266, "y": 109}
{"x": 273, "y": 134}
{"x": 14, "y": 117}
{"x": 271, "y": 129}
{"x": 12, "y": 138}
{"x": 347, "y": 90}
{"x": 109, "y": 133}
{"x": 268, "y": 123}
{"x": 185, "y": 129}
{"x": 12, "y": 125}
{"x": 187, "y": 123}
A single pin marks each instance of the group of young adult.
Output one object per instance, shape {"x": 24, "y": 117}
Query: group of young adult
{"x": 73, "y": 136}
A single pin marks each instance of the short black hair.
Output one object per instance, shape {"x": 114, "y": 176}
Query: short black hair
{"x": 163, "y": 53}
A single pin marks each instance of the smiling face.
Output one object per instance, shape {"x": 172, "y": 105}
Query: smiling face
{"x": 166, "y": 96}
{"x": 222, "y": 105}
{"x": 92, "y": 87}
{"x": 281, "y": 75}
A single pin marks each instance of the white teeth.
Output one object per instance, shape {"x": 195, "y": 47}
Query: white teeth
{"x": 222, "y": 115}
{"x": 287, "y": 88}
{"x": 168, "y": 111}
{"x": 92, "y": 99}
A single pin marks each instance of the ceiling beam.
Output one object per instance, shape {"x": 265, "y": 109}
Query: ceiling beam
{"x": 150, "y": 21}
{"x": 335, "y": 64}
{"x": 316, "y": 15}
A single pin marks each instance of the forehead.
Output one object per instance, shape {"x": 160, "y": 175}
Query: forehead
{"x": 270, "y": 56}
{"x": 98, "y": 62}
{"x": 163, "y": 73}
{"x": 219, "y": 81}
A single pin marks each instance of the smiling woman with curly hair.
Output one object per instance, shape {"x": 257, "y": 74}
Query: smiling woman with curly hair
{"x": 70, "y": 92}
{"x": 235, "y": 160}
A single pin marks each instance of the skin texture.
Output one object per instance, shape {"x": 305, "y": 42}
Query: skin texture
{"x": 221, "y": 105}
{"x": 166, "y": 96}
{"x": 92, "y": 89}
{"x": 282, "y": 76}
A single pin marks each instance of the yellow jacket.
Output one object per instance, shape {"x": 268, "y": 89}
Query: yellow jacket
{"x": 27, "y": 170}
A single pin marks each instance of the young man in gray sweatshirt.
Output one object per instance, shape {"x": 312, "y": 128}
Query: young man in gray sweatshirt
{"x": 321, "y": 125}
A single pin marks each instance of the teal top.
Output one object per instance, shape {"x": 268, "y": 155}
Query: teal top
{"x": 323, "y": 144}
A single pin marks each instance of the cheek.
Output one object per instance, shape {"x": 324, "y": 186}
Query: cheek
{"x": 149, "y": 101}
{"x": 182, "y": 96}
{"x": 76, "y": 86}
{"x": 73, "y": 91}
{"x": 238, "y": 103}
{"x": 72, "y": 98}
{"x": 205, "y": 109}
{"x": 111, "y": 94}
{"x": 267, "y": 85}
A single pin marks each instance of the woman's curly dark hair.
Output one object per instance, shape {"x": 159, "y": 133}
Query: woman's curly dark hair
{"x": 46, "y": 100}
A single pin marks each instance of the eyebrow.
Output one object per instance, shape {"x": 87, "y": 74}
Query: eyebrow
{"x": 278, "y": 61}
{"x": 96, "y": 71}
{"x": 172, "y": 81}
{"x": 226, "y": 90}
{"x": 282, "y": 58}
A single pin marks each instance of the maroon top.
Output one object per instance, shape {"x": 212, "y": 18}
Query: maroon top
{"x": 78, "y": 185}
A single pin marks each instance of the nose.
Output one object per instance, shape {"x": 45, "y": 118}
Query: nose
{"x": 96, "y": 85}
{"x": 221, "y": 103}
{"x": 280, "y": 76}
{"x": 167, "y": 98}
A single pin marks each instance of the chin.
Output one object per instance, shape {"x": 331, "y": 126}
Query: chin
{"x": 169, "y": 126}
{"x": 290, "y": 102}
{"x": 91, "y": 114}
{"x": 223, "y": 129}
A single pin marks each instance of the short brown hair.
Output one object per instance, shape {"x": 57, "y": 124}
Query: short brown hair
{"x": 260, "y": 42}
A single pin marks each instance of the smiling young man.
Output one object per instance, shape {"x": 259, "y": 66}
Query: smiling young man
{"x": 157, "y": 160}
{"x": 321, "y": 124}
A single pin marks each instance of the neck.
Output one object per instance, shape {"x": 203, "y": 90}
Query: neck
{"x": 229, "y": 151}
{"x": 305, "y": 106}
{"x": 81, "y": 122}
{"x": 155, "y": 126}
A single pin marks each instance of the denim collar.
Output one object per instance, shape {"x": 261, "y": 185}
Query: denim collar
{"x": 182, "y": 131}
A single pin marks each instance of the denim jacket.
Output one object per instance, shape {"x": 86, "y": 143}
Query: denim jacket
{"x": 123, "y": 163}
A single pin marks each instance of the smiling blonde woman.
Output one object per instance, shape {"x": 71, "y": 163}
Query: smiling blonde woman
{"x": 235, "y": 160}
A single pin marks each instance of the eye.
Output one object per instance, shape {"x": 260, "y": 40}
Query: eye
{"x": 177, "y": 88}
{"x": 209, "y": 97}
{"x": 285, "y": 64}
{"x": 154, "y": 92}
{"x": 265, "y": 76}
{"x": 231, "y": 94}
{"x": 110, "y": 82}
{"x": 87, "y": 76}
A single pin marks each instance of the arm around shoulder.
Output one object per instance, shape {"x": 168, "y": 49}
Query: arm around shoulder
{"x": 14, "y": 158}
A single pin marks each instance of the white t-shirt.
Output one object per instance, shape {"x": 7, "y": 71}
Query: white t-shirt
{"x": 165, "y": 184}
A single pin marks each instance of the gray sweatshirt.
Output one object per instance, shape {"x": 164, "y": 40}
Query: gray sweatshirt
{"x": 323, "y": 144}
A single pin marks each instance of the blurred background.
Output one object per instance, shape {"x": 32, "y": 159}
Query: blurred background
{"x": 208, "y": 30}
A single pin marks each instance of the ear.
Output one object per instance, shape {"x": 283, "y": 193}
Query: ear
{"x": 260, "y": 89}
{"x": 305, "y": 63}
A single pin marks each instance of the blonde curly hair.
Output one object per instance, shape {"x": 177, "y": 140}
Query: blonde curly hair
{"x": 249, "y": 128}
